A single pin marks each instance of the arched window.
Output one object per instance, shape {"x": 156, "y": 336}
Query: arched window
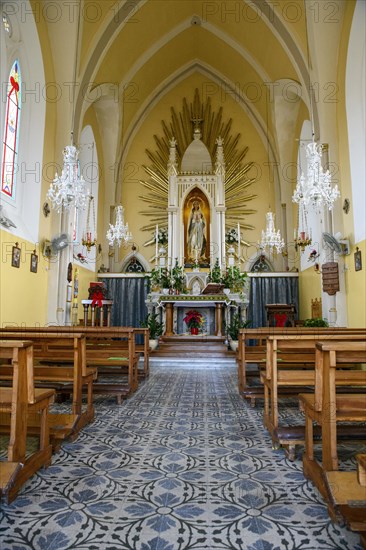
{"x": 260, "y": 265}
{"x": 11, "y": 132}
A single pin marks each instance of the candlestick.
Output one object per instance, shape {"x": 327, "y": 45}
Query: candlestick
{"x": 156, "y": 245}
{"x": 239, "y": 250}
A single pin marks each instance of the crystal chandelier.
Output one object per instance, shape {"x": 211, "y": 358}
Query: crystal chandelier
{"x": 315, "y": 190}
{"x": 68, "y": 190}
{"x": 270, "y": 237}
{"x": 119, "y": 233}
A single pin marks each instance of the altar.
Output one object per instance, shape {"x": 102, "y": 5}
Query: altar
{"x": 215, "y": 310}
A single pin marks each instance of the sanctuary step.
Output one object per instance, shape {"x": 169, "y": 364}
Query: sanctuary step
{"x": 185, "y": 346}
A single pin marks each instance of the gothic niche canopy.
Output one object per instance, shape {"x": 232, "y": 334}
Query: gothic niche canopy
{"x": 196, "y": 155}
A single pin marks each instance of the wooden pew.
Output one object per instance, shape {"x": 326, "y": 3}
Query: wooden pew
{"x": 111, "y": 348}
{"x": 282, "y": 372}
{"x": 119, "y": 356}
{"x": 346, "y": 493}
{"x": 51, "y": 348}
{"x": 327, "y": 408}
{"x": 256, "y": 354}
{"x": 22, "y": 401}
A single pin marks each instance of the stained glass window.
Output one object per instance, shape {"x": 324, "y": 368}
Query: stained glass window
{"x": 11, "y": 132}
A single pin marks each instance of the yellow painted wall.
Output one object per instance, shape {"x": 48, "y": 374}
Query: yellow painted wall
{"x": 355, "y": 288}
{"x": 23, "y": 299}
{"x": 309, "y": 289}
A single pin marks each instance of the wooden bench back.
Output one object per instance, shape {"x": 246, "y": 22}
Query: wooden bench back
{"x": 303, "y": 346}
{"x": 51, "y": 346}
{"x": 21, "y": 355}
{"x": 329, "y": 356}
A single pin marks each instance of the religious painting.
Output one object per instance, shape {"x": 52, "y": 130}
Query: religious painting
{"x": 358, "y": 260}
{"x": 34, "y": 263}
{"x": 15, "y": 256}
{"x": 196, "y": 229}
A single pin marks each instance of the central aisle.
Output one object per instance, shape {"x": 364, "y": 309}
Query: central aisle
{"x": 184, "y": 464}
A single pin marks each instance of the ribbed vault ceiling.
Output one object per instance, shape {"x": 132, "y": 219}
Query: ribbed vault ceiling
{"x": 142, "y": 44}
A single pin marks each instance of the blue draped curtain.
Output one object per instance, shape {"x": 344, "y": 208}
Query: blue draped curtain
{"x": 271, "y": 290}
{"x": 128, "y": 295}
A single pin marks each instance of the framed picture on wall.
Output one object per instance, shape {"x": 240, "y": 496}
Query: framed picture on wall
{"x": 358, "y": 260}
{"x": 15, "y": 256}
{"x": 34, "y": 263}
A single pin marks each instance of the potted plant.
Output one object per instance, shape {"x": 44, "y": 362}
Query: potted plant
{"x": 318, "y": 322}
{"x": 151, "y": 322}
{"x": 194, "y": 321}
{"x": 215, "y": 275}
{"x": 232, "y": 329}
{"x": 234, "y": 279}
{"x": 178, "y": 278}
{"x": 155, "y": 279}
{"x": 165, "y": 280}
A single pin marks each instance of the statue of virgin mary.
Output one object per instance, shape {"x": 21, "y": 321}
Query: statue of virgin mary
{"x": 196, "y": 233}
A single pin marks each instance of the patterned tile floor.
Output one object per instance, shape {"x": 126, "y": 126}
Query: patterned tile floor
{"x": 184, "y": 464}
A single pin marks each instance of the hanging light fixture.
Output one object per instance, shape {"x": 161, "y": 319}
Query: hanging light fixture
{"x": 69, "y": 190}
{"x": 89, "y": 238}
{"x": 302, "y": 236}
{"x": 119, "y": 233}
{"x": 314, "y": 189}
{"x": 271, "y": 239}
{"x": 88, "y": 241}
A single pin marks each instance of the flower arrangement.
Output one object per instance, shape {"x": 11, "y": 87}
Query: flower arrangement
{"x": 231, "y": 237}
{"x": 314, "y": 255}
{"x": 162, "y": 236}
{"x": 82, "y": 259}
{"x": 234, "y": 279}
{"x": 194, "y": 319}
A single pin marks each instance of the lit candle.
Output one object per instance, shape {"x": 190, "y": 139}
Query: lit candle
{"x": 156, "y": 244}
{"x": 239, "y": 251}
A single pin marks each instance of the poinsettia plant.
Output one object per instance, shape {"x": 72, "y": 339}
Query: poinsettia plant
{"x": 194, "y": 319}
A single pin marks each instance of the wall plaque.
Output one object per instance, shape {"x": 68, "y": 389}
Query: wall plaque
{"x": 330, "y": 278}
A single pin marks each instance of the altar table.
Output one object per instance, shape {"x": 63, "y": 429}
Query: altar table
{"x": 171, "y": 302}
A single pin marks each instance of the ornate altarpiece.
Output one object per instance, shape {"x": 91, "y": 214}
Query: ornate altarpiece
{"x": 213, "y": 167}
{"x": 200, "y": 193}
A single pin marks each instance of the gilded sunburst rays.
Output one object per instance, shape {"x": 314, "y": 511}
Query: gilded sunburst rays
{"x": 211, "y": 124}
